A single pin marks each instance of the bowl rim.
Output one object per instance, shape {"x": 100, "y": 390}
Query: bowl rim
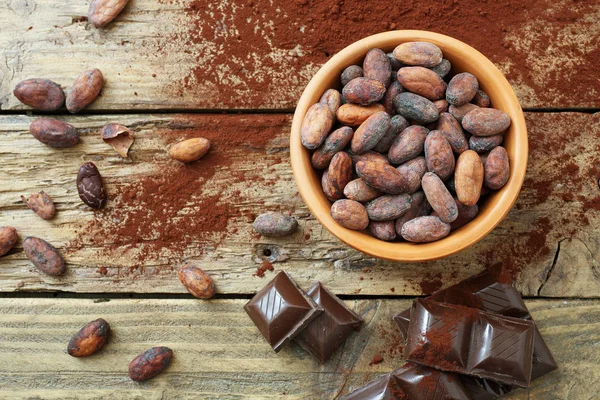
{"x": 404, "y": 251}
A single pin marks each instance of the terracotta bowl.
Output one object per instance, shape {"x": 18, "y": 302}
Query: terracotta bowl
{"x": 464, "y": 58}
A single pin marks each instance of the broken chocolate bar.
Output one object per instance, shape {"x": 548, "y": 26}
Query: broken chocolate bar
{"x": 281, "y": 310}
{"x": 330, "y": 329}
{"x": 470, "y": 341}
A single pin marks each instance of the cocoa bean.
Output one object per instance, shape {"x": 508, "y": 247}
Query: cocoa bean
{"x": 350, "y": 214}
{"x": 41, "y": 204}
{"x": 339, "y": 173}
{"x": 275, "y": 224}
{"x": 392, "y": 91}
{"x": 395, "y": 64}
{"x": 198, "y": 282}
{"x": 423, "y": 82}
{"x": 190, "y": 150}
{"x": 497, "y": 168}
{"x": 383, "y": 230}
{"x": 418, "y": 208}
{"x": 332, "y": 99}
{"x": 388, "y": 207}
{"x": 84, "y": 90}
{"x": 40, "y": 94}
{"x": 441, "y": 105}
{"x": 460, "y": 112}
{"x": 482, "y": 144}
{"x": 438, "y": 154}
{"x": 358, "y": 190}
{"x": 329, "y": 192}
{"x": 408, "y": 144}
{"x": 466, "y": 214}
{"x": 90, "y": 339}
{"x": 316, "y": 125}
{"x": 90, "y": 186}
{"x": 418, "y": 53}
{"x": 413, "y": 171}
{"x": 354, "y": 115}
{"x": 486, "y": 122}
{"x": 382, "y": 177}
{"x": 418, "y": 108}
{"x": 468, "y": 178}
{"x": 8, "y": 238}
{"x": 369, "y": 156}
{"x": 377, "y": 66}
{"x": 462, "y": 89}
{"x": 44, "y": 256}
{"x": 54, "y": 133}
{"x": 350, "y": 73}
{"x": 150, "y": 363}
{"x": 425, "y": 229}
{"x": 439, "y": 197}
{"x": 452, "y": 131}
{"x": 397, "y": 124}
{"x": 334, "y": 143}
{"x": 442, "y": 69}
{"x": 363, "y": 91}
{"x": 370, "y": 132}
{"x": 481, "y": 99}
{"x": 101, "y": 12}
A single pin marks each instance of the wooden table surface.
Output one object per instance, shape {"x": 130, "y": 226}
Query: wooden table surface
{"x": 552, "y": 234}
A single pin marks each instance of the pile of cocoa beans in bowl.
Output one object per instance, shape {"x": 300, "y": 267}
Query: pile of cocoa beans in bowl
{"x": 406, "y": 152}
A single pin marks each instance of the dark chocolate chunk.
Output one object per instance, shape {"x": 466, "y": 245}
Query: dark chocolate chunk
{"x": 281, "y": 310}
{"x": 384, "y": 387}
{"x": 470, "y": 341}
{"x": 90, "y": 187}
{"x": 330, "y": 329}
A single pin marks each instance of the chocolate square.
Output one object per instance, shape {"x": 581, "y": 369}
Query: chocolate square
{"x": 328, "y": 331}
{"x": 281, "y": 310}
{"x": 384, "y": 387}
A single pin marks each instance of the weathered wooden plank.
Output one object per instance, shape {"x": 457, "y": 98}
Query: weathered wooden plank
{"x": 200, "y": 54}
{"x": 136, "y": 244}
{"x": 218, "y": 353}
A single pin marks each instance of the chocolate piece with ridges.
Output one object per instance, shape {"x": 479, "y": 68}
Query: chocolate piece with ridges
{"x": 54, "y": 133}
{"x": 334, "y": 143}
{"x": 383, "y": 387}
{"x": 41, "y": 94}
{"x": 44, "y": 256}
{"x": 150, "y": 363}
{"x": 377, "y": 66}
{"x": 281, "y": 310}
{"x": 90, "y": 186}
{"x": 90, "y": 339}
{"x": 84, "y": 90}
{"x": 8, "y": 238}
{"x": 323, "y": 336}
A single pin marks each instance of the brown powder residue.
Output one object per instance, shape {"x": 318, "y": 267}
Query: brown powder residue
{"x": 431, "y": 283}
{"x": 183, "y": 209}
{"x": 257, "y": 53}
{"x": 377, "y": 359}
{"x": 392, "y": 340}
{"x": 264, "y": 267}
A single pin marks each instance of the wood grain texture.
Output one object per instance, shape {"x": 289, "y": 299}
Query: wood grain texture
{"x": 558, "y": 204}
{"x": 219, "y": 354}
{"x": 199, "y": 54}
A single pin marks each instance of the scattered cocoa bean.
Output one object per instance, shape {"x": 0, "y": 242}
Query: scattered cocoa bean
{"x": 363, "y": 91}
{"x": 54, "y": 133}
{"x": 388, "y": 207}
{"x": 41, "y": 204}
{"x": 397, "y": 124}
{"x": 422, "y": 54}
{"x": 439, "y": 197}
{"x": 383, "y": 230}
{"x": 316, "y": 125}
{"x": 462, "y": 89}
{"x": 8, "y": 238}
{"x": 190, "y": 150}
{"x": 90, "y": 186}
{"x": 377, "y": 66}
{"x": 150, "y": 363}
{"x": 332, "y": 99}
{"x": 468, "y": 178}
{"x": 438, "y": 154}
{"x": 358, "y": 190}
{"x": 408, "y": 145}
{"x": 44, "y": 256}
{"x": 423, "y": 82}
{"x": 425, "y": 229}
{"x": 334, "y": 143}
{"x": 101, "y": 12}
{"x": 350, "y": 73}
{"x": 415, "y": 107}
{"x": 91, "y": 338}
{"x": 198, "y": 282}
{"x": 370, "y": 132}
{"x": 350, "y": 214}
{"x": 40, "y": 94}
{"x": 354, "y": 115}
{"x": 84, "y": 90}
{"x": 275, "y": 224}
{"x": 486, "y": 122}
{"x": 119, "y": 137}
{"x": 497, "y": 168}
